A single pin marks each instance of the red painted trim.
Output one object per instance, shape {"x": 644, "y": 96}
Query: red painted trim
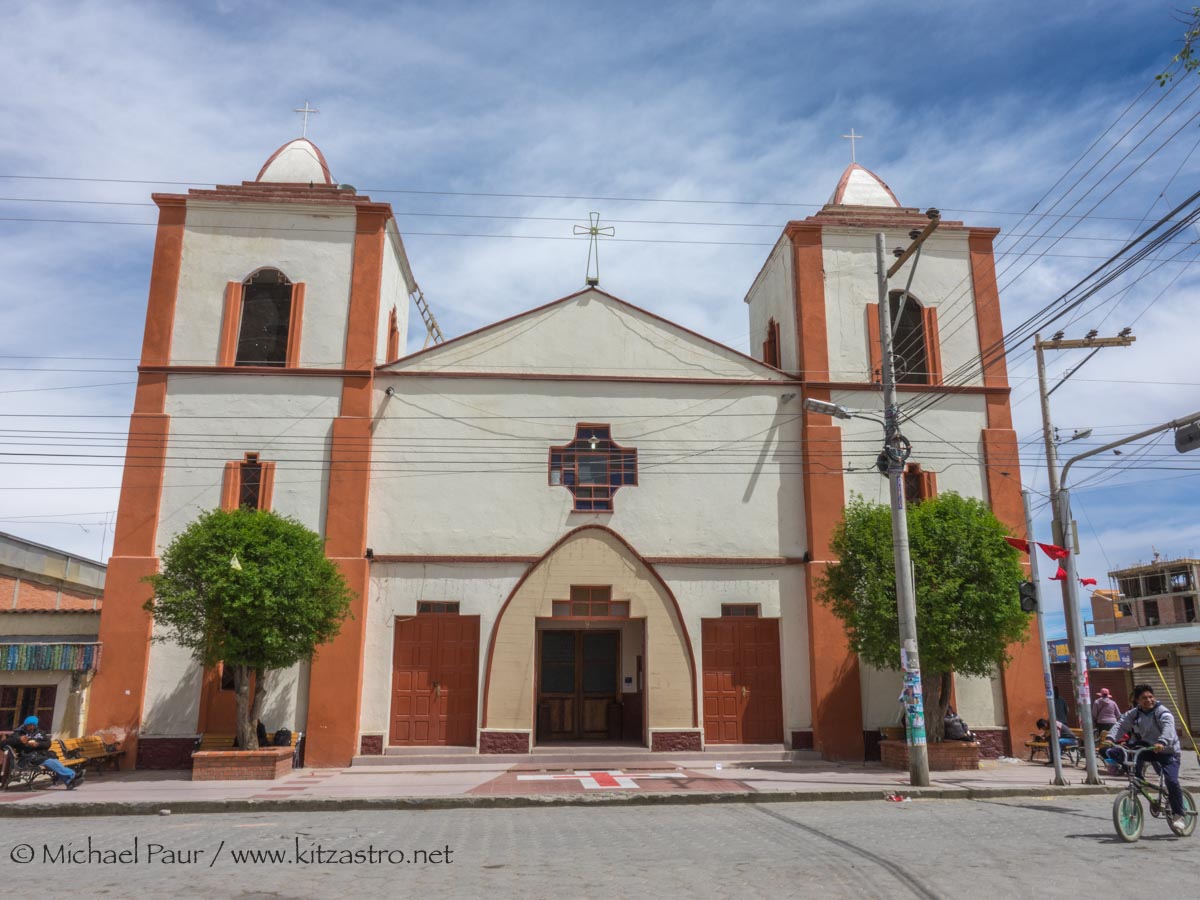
{"x": 933, "y": 344}
{"x": 295, "y": 326}
{"x": 874, "y": 349}
{"x": 839, "y": 193}
{"x": 266, "y": 490}
{"x": 164, "y": 282}
{"x": 275, "y": 155}
{"x": 757, "y": 561}
{"x": 540, "y": 376}
{"x": 987, "y": 306}
{"x": 393, "y": 338}
{"x": 909, "y": 388}
{"x": 231, "y": 320}
{"x": 637, "y": 309}
{"x": 366, "y": 279}
{"x": 246, "y": 370}
{"x": 231, "y": 484}
{"x": 487, "y": 680}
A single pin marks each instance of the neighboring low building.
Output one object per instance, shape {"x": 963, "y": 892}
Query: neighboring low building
{"x": 1154, "y": 611}
{"x": 49, "y": 620}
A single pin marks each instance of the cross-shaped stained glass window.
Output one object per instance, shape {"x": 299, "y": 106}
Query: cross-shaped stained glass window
{"x": 592, "y": 467}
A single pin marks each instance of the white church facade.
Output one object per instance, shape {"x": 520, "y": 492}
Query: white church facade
{"x": 582, "y": 523}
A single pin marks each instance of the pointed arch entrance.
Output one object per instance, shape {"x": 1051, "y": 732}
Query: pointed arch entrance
{"x": 590, "y": 583}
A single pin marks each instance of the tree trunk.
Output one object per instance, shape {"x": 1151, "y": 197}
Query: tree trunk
{"x": 246, "y": 737}
{"x": 935, "y": 686}
{"x": 260, "y": 690}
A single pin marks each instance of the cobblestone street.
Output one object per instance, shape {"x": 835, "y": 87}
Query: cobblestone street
{"x": 1005, "y": 847}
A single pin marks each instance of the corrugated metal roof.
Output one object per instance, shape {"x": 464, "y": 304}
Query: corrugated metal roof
{"x": 1148, "y": 637}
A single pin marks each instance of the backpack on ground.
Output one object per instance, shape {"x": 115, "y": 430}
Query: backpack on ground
{"x": 283, "y": 738}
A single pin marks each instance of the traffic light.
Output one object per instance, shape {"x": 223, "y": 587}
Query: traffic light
{"x": 1028, "y": 594}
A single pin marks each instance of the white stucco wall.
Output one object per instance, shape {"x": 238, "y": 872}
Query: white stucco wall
{"x": 880, "y": 690}
{"x": 947, "y": 440}
{"x": 171, "y": 706}
{"x": 779, "y": 590}
{"x": 461, "y": 466}
{"x": 773, "y": 295}
{"x": 590, "y": 334}
{"x": 480, "y": 589}
{"x": 226, "y": 242}
{"x": 942, "y": 281}
{"x": 981, "y": 701}
{"x": 394, "y": 289}
{"x": 219, "y": 418}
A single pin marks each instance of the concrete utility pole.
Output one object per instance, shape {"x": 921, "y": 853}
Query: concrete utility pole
{"x": 1052, "y": 747}
{"x": 896, "y": 451}
{"x": 1062, "y": 528}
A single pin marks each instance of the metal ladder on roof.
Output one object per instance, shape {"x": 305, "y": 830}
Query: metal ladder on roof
{"x": 432, "y": 331}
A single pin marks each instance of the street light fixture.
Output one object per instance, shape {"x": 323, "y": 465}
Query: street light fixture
{"x": 825, "y": 408}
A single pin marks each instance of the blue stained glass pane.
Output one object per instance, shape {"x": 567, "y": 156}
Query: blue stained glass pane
{"x": 583, "y": 504}
{"x": 569, "y": 476}
{"x": 615, "y": 478}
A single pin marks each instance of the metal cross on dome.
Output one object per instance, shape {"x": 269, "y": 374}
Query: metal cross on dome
{"x": 852, "y": 137}
{"x": 594, "y": 231}
{"x": 307, "y": 111}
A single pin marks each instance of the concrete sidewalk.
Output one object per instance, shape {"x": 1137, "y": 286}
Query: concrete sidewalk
{"x": 496, "y": 782}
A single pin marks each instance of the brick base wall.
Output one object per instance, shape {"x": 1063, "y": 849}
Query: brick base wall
{"x": 165, "y": 753}
{"x": 993, "y": 742}
{"x": 503, "y": 742}
{"x": 371, "y": 745}
{"x": 675, "y": 741}
{"x": 265, "y": 764}
{"x": 947, "y": 756}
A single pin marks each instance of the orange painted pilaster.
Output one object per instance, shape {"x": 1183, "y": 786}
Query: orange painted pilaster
{"x": 833, "y": 668}
{"x": 295, "y": 326}
{"x": 164, "y": 280}
{"x": 336, "y": 679}
{"x": 231, "y": 319}
{"x": 987, "y": 306}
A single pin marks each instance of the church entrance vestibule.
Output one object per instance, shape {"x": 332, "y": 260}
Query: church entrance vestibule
{"x": 579, "y": 685}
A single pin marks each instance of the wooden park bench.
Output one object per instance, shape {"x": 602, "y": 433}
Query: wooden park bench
{"x": 1073, "y": 755}
{"x": 221, "y": 741}
{"x": 92, "y": 750}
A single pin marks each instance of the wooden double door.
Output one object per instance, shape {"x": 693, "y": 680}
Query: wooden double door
{"x": 578, "y": 684}
{"x": 435, "y": 680}
{"x": 743, "y": 696}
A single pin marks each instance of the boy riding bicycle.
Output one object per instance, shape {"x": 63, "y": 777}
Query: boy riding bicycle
{"x": 1151, "y": 724}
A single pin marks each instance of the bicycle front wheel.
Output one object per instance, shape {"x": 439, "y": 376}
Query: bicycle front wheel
{"x": 1189, "y": 817}
{"x": 1127, "y": 816}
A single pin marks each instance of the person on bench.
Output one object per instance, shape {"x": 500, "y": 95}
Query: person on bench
{"x": 1066, "y": 737}
{"x": 32, "y": 747}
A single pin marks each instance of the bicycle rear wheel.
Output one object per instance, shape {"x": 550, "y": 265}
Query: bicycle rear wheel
{"x": 1189, "y": 817}
{"x": 1127, "y": 816}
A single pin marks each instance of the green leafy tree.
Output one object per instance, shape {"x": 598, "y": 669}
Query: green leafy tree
{"x": 252, "y": 590}
{"x": 968, "y": 610}
{"x": 1186, "y": 60}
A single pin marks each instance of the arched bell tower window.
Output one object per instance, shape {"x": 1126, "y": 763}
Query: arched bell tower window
{"x": 916, "y": 346}
{"x": 263, "y": 315}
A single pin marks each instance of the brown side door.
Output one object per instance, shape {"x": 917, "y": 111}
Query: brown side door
{"x": 435, "y": 666}
{"x": 743, "y": 698}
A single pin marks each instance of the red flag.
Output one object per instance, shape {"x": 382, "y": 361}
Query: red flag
{"x": 1086, "y": 581}
{"x": 1019, "y": 544}
{"x": 1055, "y": 552}
{"x": 1060, "y": 575}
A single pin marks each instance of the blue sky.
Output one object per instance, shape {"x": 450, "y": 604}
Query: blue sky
{"x": 977, "y": 109}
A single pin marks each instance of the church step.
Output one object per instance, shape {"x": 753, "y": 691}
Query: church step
{"x": 583, "y": 757}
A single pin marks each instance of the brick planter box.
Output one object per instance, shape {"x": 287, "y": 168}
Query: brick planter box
{"x": 265, "y": 764}
{"x": 944, "y": 757}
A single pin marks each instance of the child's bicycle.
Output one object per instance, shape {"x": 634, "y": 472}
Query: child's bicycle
{"x": 1127, "y": 807}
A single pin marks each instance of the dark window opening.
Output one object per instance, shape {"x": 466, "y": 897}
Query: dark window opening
{"x": 266, "y": 317}
{"x": 227, "y": 683}
{"x": 592, "y": 467}
{"x": 771, "y": 344}
{"x": 918, "y": 485}
{"x": 1189, "y": 609}
{"x": 1156, "y": 584}
{"x": 1181, "y": 581}
{"x": 19, "y": 702}
{"x": 428, "y": 607}
{"x": 250, "y": 483}
{"x": 1131, "y": 587}
{"x": 740, "y": 609}
{"x": 908, "y": 341}
{"x": 1125, "y": 609}
{"x": 590, "y": 603}
{"x": 1150, "y": 612}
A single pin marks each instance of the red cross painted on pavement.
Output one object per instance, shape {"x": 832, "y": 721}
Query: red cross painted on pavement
{"x": 611, "y": 779}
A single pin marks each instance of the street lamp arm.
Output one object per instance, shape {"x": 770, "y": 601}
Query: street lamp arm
{"x": 1166, "y": 426}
